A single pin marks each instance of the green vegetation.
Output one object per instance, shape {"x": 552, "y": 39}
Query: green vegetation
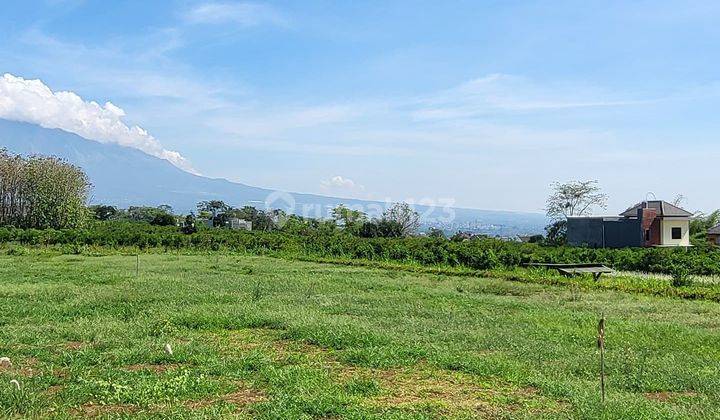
{"x": 310, "y": 238}
{"x": 701, "y": 223}
{"x": 268, "y": 338}
{"x": 41, "y": 192}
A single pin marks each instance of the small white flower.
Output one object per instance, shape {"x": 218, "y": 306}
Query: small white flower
{"x": 168, "y": 349}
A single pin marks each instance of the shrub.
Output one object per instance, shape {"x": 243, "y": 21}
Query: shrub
{"x": 680, "y": 276}
{"x": 475, "y": 253}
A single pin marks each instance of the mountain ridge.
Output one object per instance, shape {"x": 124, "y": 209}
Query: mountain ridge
{"x": 123, "y": 176}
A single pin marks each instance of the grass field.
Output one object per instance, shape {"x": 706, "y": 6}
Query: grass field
{"x": 270, "y": 338}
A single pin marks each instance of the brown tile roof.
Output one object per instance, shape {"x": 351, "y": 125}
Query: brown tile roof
{"x": 664, "y": 209}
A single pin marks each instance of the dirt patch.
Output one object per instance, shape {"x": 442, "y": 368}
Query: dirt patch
{"x": 663, "y": 396}
{"x": 27, "y": 368}
{"x": 156, "y": 368}
{"x": 54, "y": 389}
{"x": 96, "y": 410}
{"x": 270, "y": 343}
{"x": 421, "y": 385}
{"x": 243, "y": 396}
{"x": 74, "y": 345}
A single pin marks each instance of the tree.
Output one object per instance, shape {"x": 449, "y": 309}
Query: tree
{"x": 260, "y": 219}
{"x": 381, "y": 228}
{"x": 166, "y": 208}
{"x": 350, "y": 219}
{"x": 556, "y": 233}
{"x": 404, "y": 216}
{"x": 679, "y": 200}
{"x": 41, "y": 192}
{"x": 163, "y": 219}
{"x": 436, "y": 233}
{"x": 574, "y": 198}
{"x": 189, "y": 225}
{"x": 103, "y": 212}
{"x": 700, "y": 224}
{"x": 143, "y": 213}
{"x": 214, "y": 207}
{"x": 536, "y": 239}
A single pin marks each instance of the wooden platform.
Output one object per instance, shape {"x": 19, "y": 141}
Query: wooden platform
{"x": 596, "y": 270}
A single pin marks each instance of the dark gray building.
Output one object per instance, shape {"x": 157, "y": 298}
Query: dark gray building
{"x": 650, "y": 223}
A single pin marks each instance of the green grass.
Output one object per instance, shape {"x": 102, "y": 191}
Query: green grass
{"x": 257, "y": 337}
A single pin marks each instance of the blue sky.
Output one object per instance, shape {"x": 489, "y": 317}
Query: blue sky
{"x": 482, "y": 102}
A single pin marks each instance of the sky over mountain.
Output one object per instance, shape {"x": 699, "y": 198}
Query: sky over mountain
{"x": 485, "y": 103}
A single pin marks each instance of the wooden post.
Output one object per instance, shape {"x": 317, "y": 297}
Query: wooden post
{"x": 601, "y": 346}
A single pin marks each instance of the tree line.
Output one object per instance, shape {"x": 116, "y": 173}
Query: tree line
{"x": 399, "y": 220}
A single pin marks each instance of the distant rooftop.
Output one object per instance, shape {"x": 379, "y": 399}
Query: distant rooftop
{"x": 715, "y": 230}
{"x": 663, "y": 208}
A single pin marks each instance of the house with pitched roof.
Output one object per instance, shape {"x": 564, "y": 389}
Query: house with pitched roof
{"x": 714, "y": 235}
{"x": 646, "y": 224}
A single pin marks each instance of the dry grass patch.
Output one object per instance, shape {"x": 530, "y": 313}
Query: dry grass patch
{"x": 26, "y": 368}
{"x": 75, "y": 345}
{"x": 97, "y": 410}
{"x": 450, "y": 392}
{"x": 664, "y": 396}
{"x": 243, "y": 396}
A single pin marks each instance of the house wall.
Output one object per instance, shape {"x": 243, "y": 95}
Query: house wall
{"x": 585, "y": 232}
{"x": 594, "y": 232}
{"x": 623, "y": 233}
{"x": 666, "y": 229}
{"x": 714, "y": 239}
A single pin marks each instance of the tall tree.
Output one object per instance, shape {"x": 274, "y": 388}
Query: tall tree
{"x": 575, "y": 198}
{"x": 406, "y": 218}
{"x": 214, "y": 207}
{"x": 350, "y": 219}
{"x": 103, "y": 212}
{"x": 41, "y": 192}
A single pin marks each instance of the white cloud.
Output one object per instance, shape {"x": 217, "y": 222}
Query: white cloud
{"x": 341, "y": 185}
{"x": 244, "y": 14}
{"x": 34, "y": 102}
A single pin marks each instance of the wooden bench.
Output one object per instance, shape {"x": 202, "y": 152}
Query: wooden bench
{"x": 596, "y": 270}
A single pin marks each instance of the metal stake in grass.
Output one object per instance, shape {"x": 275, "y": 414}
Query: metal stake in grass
{"x": 601, "y": 346}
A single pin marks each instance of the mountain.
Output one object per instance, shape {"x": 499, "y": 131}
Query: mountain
{"x": 123, "y": 177}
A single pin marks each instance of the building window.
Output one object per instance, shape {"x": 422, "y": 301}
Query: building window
{"x": 677, "y": 233}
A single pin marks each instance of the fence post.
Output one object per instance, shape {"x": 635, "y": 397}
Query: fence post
{"x": 601, "y": 346}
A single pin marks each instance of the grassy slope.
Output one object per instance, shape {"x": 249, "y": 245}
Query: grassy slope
{"x": 256, "y": 336}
